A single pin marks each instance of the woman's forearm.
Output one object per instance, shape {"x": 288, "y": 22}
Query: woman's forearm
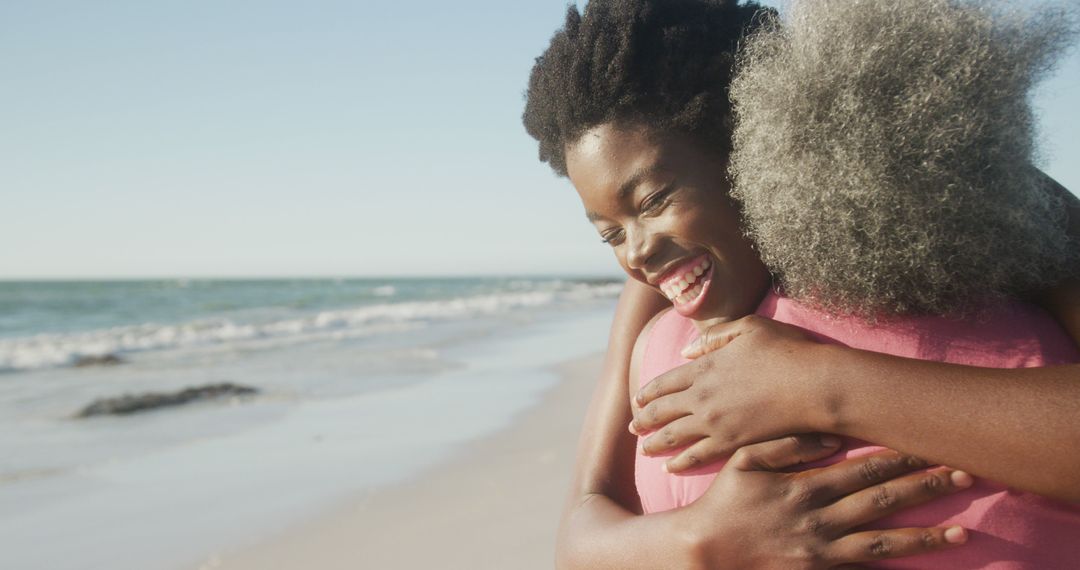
{"x": 954, "y": 415}
{"x": 598, "y": 533}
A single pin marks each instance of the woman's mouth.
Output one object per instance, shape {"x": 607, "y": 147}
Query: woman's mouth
{"x": 687, "y": 285}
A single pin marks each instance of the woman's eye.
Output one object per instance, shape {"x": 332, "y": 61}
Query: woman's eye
{"x": 655, "y": 202}
{"x": 612, "y": 238}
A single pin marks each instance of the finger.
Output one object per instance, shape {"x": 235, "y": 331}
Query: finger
{"x": 714, "y": 338}
{"x": 851, "y": 475}
{"x": 701, "y": 453}
{"x": 661, "y": 412}
{"x": 662, "y": 404}
{"x": 786, "y": 452}
{"x": 898, "y": 494}
{"x": 669, "y": 383}
{"x": 679, "y": 433}
{"x": 893, "y": 543}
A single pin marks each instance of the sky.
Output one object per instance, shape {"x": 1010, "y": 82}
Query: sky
{"x": 320, "y": 138}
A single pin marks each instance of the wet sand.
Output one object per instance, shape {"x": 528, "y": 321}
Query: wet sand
{"x": 495, "y": 505}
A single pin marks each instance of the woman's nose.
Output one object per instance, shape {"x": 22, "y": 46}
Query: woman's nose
{"x": 641, "y": 245}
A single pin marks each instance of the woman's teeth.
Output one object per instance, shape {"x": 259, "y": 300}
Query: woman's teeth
{"x": 684, "y": 289}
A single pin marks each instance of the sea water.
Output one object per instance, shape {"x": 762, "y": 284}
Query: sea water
{"x": 362, "y": 383}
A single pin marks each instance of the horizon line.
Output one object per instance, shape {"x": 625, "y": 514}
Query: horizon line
{"x": 270, "y": 277}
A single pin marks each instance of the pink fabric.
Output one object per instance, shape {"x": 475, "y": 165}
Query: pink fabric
{"x": 1008, "y": 529}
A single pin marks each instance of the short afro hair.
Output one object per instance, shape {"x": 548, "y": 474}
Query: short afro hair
{"x": 661, "y": 64}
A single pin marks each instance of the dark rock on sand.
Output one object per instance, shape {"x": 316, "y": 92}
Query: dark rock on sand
{"x": 134, "y": 403}
{"x": 102, "y": 360}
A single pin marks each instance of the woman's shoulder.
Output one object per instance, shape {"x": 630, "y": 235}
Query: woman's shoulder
{"x": 659, "y": 346}
{"x": 637, "y": 356}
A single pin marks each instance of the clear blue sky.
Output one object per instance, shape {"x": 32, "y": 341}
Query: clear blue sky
{"x": 209, "y": 138}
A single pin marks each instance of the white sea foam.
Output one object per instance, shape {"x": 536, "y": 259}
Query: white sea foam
{"x": 384, "y": 291}
{"x": 64, "y": 349}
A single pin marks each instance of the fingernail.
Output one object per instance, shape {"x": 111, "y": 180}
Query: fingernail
{"x": 830, "y": 441}
{"x": 955, "y": 535}
{"x": 631, "y": 428}
{"x": 688, "y": 349}
{"x": 665, "y": 468}
{"x": 961, "y": 479}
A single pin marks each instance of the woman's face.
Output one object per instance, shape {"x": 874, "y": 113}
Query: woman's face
{"x": 662, "y": 205}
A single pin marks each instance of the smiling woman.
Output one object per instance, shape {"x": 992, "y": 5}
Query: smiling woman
{"x": 663, "y": 206}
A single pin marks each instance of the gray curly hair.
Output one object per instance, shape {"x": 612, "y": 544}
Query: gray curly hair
{"x": 884, "y": 150}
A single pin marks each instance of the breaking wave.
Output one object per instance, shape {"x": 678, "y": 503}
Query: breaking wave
{"x": 48, "y": 350}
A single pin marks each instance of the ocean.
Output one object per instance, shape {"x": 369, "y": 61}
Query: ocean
{"x": 360, "y": 383}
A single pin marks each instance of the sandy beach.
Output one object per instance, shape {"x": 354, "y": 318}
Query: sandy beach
{"x": 494, "y": 505}
{"x": 438, "y": 409}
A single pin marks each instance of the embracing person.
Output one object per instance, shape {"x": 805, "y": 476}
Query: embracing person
{"x": 885, "y": 203}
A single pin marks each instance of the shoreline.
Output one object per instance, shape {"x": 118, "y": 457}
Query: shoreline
{"x": 494, "y": 503}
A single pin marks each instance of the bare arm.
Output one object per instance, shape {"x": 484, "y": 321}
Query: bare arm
{"x": 1018, "y": 427}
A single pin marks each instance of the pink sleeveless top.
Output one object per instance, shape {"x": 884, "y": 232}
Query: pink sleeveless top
{"x": 1008, "y": 529}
